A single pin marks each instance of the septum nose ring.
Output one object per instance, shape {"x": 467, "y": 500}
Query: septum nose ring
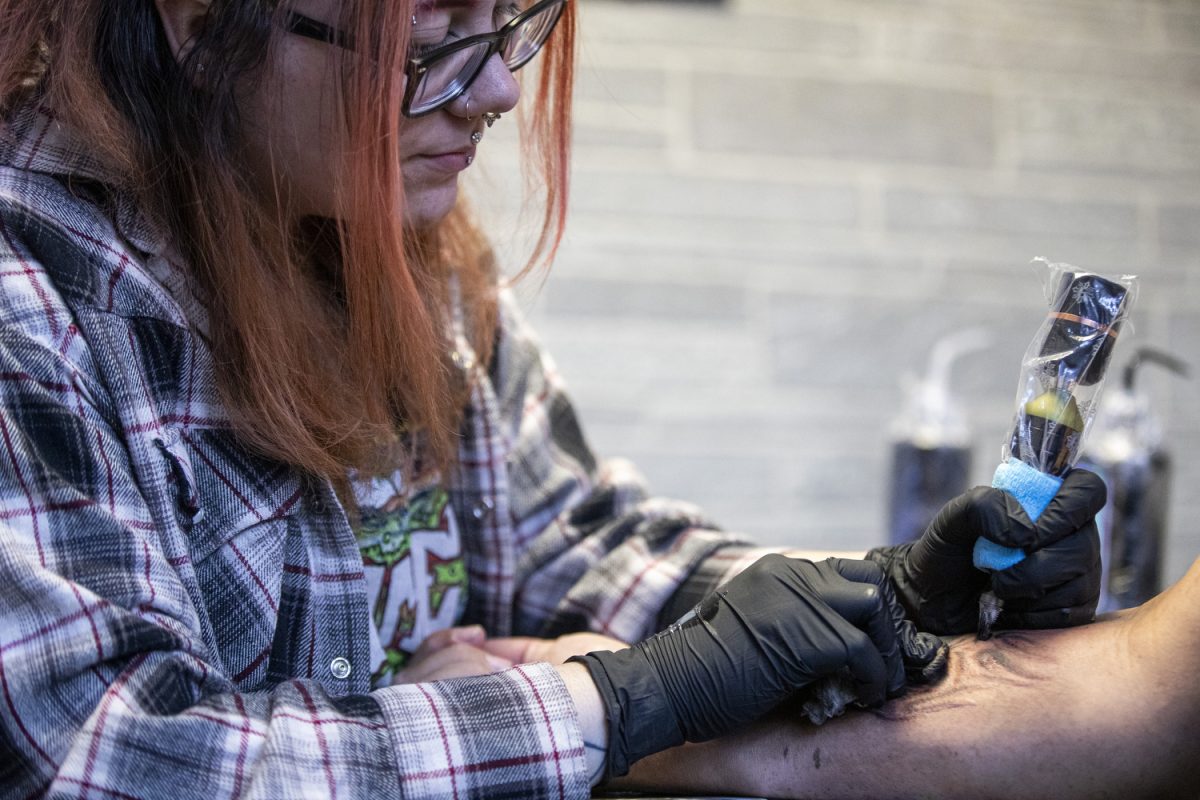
{"x": 490, "y": 118}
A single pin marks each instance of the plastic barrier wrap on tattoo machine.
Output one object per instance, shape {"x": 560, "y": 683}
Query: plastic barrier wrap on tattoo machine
{"x": 1062, "y": 375}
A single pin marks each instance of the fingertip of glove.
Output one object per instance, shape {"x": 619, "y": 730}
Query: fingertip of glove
{"x": 931, "y": 658}
{"x": 870, "y": 695}
{"x": 1089, "y": 483}
{"x": 1081, "y": 476}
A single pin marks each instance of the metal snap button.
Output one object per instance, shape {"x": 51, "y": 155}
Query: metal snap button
{"x": 340, "y": 668}
{"x": 481, "y": 509}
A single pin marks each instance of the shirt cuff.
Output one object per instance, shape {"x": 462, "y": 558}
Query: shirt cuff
{"x": 513, "y": 733}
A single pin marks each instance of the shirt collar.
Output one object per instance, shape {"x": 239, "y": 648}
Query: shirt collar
{"x": 35, "y": 139}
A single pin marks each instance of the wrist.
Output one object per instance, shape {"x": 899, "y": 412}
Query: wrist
{"x": 892, "y": 561}
{"x": 589, "y": 706}
{"x": 638, "y": 714}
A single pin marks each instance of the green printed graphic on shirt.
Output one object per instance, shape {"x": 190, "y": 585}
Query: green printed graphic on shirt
{"x": 416, "y": 576}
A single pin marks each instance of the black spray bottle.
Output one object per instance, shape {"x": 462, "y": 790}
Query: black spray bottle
{"x": 931, "y": 441}
{"x": 1127, "y": 450}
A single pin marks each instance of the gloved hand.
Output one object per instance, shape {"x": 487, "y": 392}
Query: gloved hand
{"x": 772, "y": 629}
{"x": 1056, "y": 585}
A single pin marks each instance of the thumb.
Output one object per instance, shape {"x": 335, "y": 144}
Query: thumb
{"x": 926, "y": 656}
{"x": 942, "y": 558}
{"x": 440, "y": 640}
{"x": 516, "y": 649}
{"x": 963, "y": 520}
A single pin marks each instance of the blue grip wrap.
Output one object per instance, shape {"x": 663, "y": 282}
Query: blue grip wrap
{"x": 1034, "y": 490}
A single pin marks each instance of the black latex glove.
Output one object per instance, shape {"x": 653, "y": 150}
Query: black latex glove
{"x": 1056, "y": 585}
{"x": 772, "y": 629}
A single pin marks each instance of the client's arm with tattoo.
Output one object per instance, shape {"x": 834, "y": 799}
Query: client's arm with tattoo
{"x": 1104, "y": 710}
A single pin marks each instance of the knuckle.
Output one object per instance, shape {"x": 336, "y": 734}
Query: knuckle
{"x": 438, "y": 638}
{"x": 770, "y": 564}
{"x": 871, "y": 571}
{"x": 1091, "y": 486}
{"x": 771, "y": 560}
{"x": 871, "y": 595}
{"x": 979, "y": 495}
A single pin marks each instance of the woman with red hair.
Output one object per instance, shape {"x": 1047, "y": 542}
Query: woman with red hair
{"x": 277, "y": 450}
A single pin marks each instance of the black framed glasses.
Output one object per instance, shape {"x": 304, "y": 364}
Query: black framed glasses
{"x": 438, "y": 77}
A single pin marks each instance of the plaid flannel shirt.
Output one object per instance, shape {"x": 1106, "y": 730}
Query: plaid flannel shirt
{"x": 180, "y": 617}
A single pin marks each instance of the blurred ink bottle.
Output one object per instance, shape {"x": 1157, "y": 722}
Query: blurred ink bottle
{"x": 931, "y": 441}
{"x": 1126, "y": 450}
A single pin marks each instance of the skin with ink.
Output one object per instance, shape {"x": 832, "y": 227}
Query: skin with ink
{"x": 1107, "y": 710}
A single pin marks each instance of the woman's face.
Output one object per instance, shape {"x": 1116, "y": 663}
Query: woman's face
{"x": 294, "y": 144}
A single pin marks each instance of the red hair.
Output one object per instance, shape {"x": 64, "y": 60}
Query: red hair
{"x": 355, "y": 374}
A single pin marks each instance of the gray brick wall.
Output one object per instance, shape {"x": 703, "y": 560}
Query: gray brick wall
{"x": 780, "y": 205}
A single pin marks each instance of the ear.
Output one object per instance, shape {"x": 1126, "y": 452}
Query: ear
{"x": 181, "y": 21}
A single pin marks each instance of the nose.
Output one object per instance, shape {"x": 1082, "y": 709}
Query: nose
{"x": 495, "y": 90}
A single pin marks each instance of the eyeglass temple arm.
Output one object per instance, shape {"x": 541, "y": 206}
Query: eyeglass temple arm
{"x": 310, "y": 28}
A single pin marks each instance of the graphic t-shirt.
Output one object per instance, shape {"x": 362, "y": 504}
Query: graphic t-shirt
{"x": 416, "y": 576}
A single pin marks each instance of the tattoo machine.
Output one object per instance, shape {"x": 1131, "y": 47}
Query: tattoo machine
{"x": 1062, "y": 375}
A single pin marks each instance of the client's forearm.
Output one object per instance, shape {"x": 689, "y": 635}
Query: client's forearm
{"x": 1106, "y": 710}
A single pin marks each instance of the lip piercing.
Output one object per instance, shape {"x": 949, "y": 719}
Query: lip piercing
{"x": 469, "y": 160}
{"x": 490, "y": 118}
{"x": 477, "y": 137}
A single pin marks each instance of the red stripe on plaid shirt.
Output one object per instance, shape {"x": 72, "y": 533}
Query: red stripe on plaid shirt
{"x": 654, "y": 564}
{"x": 148, "y": 403}
{"x": 287, "y": 504}
{"x": 497, "y": 763}
{"x": 16, "y": 463}
{"x": 68, "y": 339}
{"x": 74, "y": 505}
{"x": 122, "y": 258}
{"x": 146, "y": 573}
{"x": 22, "y": 377}
{"x": 329, "y": 577}
{"x": 112, "y": 491}
{"x": 90, "y": 787}
{"x": 239, "y": 766}
{"x": 59, "y": 623}
{"x": 224, "y": 723}
{"x": 12, "y": 710}
{"x": 321, "y": 743}
{"x": 31, "y": 274}
{"x": 91, "y": 620}
{"x": 257, "y": 581}
{"x": 37, "y": 143}
{"x": 105, "y": 703}
{"x": 112, "y": 281}
{"x": 82, "y": 413}
{"x": 450, "y": 768}
{"x": 581, "y": 476}
{"x": 549, "y": 729}
{"x": 249, "y": 670}
{"x": 489, "y": 530}
{"x": 224, "y": 479}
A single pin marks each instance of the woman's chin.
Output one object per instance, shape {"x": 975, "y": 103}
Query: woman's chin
{"x": 429, "y": 205}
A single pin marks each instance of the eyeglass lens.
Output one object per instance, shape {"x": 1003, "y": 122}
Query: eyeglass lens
{"x": 448, "y": 75}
